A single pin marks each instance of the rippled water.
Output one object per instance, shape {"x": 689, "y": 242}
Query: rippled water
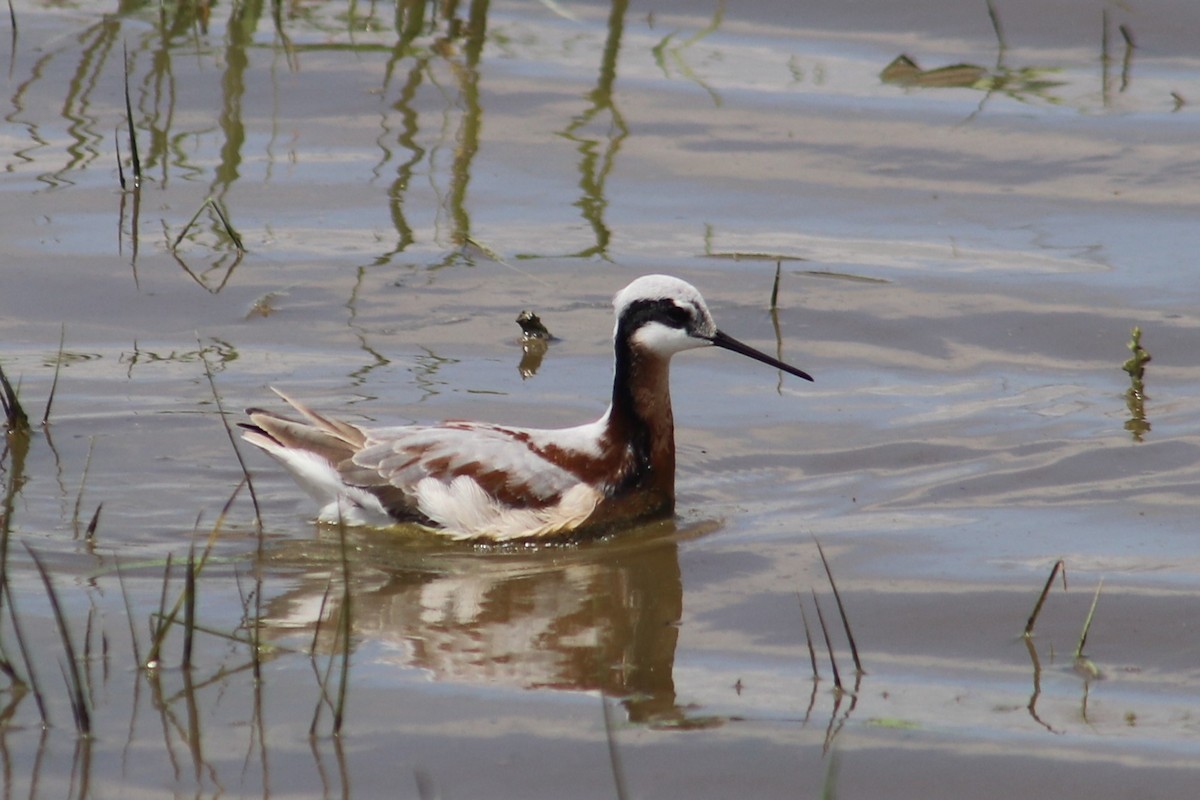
{"x": 964, "y": 243}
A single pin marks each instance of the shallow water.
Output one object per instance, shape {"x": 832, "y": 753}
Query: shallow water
{"x": 961, "y": 263}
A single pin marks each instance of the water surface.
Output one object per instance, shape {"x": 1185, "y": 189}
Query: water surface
{"x": 962, "y": 252}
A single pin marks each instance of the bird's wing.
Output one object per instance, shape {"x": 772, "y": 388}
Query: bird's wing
{"x": 510, "y": 466}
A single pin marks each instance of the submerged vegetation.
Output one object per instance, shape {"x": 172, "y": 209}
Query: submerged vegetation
{"x": 1135, "y": 396}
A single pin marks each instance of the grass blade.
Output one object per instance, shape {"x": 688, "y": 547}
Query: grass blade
{"x": 167, "y": 618}
{"x": 841, "y": 608}
{"x": 62, "y": 338}
{"x": 14, "y": 414}
{"x": 216, "y": 207}
{"x": 133, "y": 149}
{"x": 229, "y": 231}
{"x": 137, "y": 656}
{"x": 812, "y": 653}
{"x": 189, "y": 607}
{"x": 79, "y": 700}
{"x": 87, "y": 465}
{"x": 30, "y": 674}
{"x": 160, "y": 628}
{"x": 1087, "y": 623}
{"x": 120, "y": 166}
{"x": 1059, "y": 565}
{"x": 322, "y": 680}
{"x": 90, "y": 534}
{"x": 345, "y": 627}
{"x": 212, "y": 385}
{"x": 837, "y": 678}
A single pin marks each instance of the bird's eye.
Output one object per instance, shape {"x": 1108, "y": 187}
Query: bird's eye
{"x": 677, "y": 316}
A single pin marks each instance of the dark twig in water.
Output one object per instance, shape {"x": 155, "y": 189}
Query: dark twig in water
{"x": 841, "y": 608}
{"x": 1059, "y": 565}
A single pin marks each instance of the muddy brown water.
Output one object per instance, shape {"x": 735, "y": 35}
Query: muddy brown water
{"x": 963, "y": 251}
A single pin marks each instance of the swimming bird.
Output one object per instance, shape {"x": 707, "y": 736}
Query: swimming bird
{"x": 478, "y": 481}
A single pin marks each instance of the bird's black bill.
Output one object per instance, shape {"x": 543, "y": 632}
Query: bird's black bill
{"x": 721, "y": 339}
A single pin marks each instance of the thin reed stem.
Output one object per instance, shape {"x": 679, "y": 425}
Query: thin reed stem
{"x": 837, "y": 678}
{"x": 79, "y": 700}
{"x": 1059, "y": 565}
{"x": 841, "y": 608}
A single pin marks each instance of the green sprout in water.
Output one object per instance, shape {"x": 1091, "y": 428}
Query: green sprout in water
{"x": 1135, "y": 396}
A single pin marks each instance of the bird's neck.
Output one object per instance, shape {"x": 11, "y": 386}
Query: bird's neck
{"x": 641, "y": 416}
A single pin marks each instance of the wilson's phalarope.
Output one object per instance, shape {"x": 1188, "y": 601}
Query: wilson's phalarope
{"x": 472, "y": 480}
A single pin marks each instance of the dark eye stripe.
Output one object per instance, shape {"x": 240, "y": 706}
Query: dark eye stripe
{"x": 679, "y": 317}
{"x": 665, "y": 312}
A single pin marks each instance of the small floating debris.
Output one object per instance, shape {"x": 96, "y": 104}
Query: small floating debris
{"x": 532, "y": 327}
{"x": 264, "y": 306}
{"x": 535, "y": 339}
{"x": 904, "y": 71}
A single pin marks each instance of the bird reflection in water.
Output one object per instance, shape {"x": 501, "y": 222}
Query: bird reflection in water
{"x": 598, "y": 616}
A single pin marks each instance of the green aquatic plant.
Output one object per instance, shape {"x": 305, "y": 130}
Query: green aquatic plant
{"x": 1135, "y": 396}
{"x": 15, "y": 418}
{"x": 215, "y": 205}
{"x": 1022, "y": 84}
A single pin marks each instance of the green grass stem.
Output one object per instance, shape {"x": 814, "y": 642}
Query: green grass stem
{"x": 167, "y": 618}
{"x": 133, "y": 148}
{"x": 14, "y": 415}
{"x": 62, "y": 339}
{"x": 1087, "y": 623}
{"x": 133, "y": 639}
